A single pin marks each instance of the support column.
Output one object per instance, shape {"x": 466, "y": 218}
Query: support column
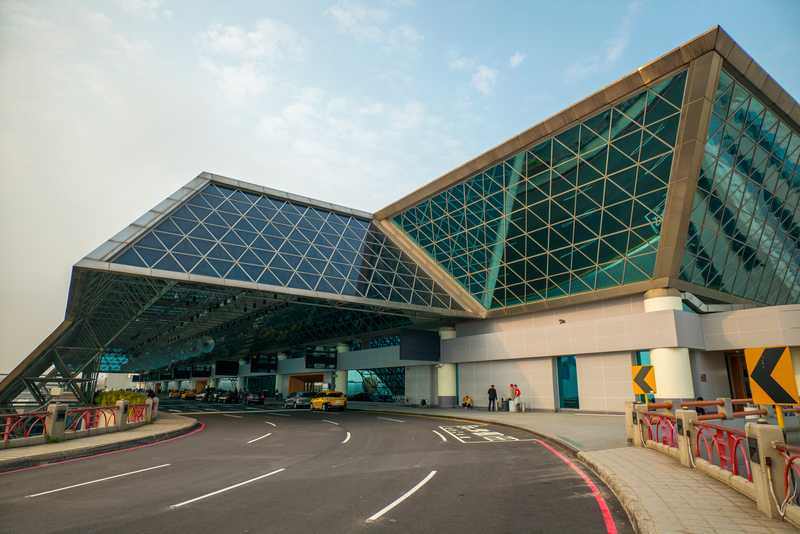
{"x": 340, "y": 377}
{"x": 672, "y": 367}
{"x": 447, "y": 332}
{"x": 213, "y": 383}
{"x": 447, "y": 385}
{"x": 279, "y": 385}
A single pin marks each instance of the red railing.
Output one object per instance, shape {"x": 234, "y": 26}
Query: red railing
{"x": 22, "y": 425}
{"x": 137, "y": 412}
{"x": 85, "y": 418}
{"x": 725, "y": 442}
{"x": 790, "y": 454}
{"x": 661, "y": 427}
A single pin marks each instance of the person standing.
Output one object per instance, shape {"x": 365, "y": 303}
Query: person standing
{"x": 492, "y": 399}
{"x": 517, "y": 394}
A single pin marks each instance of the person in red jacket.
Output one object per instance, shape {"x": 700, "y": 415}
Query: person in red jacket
{"x": 517, "y": 394}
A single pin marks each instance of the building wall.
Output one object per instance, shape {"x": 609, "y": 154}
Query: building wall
{"x": 421, "y": 383}
{"x": 604, "y": 381}
{"x": 534, "y": 377}
{"x": 374, "y": 359}
{"x": 715, "y": 369}
{"x": 758, "y": 327}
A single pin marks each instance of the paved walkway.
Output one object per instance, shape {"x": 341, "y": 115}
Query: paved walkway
{"x": 660, "y": 495}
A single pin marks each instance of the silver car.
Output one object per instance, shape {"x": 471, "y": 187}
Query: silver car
{"x": 298, "y": 399}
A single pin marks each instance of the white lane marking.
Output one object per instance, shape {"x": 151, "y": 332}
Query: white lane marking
{"x": 331, "y": 422}
{"x": 395, "y": 420}
{"x": 273, "y": 424}
{"x": 262, "y": 437}
{"x": 347, "y": 438}
{"x": 98, "y": 480}
{"x": 278, "y": 414}
{"x": 226, "y": 489}
{"x": 236, "y": 416}
{"x": 441, "y": 436}
{"x": 404, "y": 497}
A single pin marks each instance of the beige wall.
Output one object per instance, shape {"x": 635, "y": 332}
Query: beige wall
{"x": 534, "y": 376}
{"x": 715, "y": 367}
{"x": 604, "y": 381}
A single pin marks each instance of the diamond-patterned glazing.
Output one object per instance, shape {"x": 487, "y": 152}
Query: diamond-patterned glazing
{"x": 579, "y": 212}
{"x": 232, "y": 234}
{"x": 744, "y": 235}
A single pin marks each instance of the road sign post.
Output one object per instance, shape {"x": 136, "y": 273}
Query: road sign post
{"x": 772, "y": 379}
{"x": 644, "y": 379}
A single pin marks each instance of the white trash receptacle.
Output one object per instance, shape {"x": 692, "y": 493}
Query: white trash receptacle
{"x": 512, "y": 406}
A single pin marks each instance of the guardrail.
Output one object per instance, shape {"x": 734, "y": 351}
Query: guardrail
{"x": 64, "y": 422}
{"x": 86, "y": 418}
{"x": 17, "y": 426}
{"x": 738, "y": 448}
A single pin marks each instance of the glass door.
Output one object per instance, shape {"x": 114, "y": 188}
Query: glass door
{"x": 568, "y": 383}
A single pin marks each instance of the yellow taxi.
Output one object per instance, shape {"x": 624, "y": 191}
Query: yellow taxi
{"x": 174, "y": 394}
{"x": 329, "y": 400}
{"x": 188, "y": 395}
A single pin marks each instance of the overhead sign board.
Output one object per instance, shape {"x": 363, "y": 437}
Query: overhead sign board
{"x": 644, "y": 379}
{"x": 771, "y": 375}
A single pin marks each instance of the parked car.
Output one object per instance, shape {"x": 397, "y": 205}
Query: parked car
{"x": 217, "y": 394}
{"x": 189, "y": 395}
{"x": 228, "y": 396}
{"x": 174, "y": 394}
{"x": 329, "y": 400}
{"x": 252, "y": 397}
{"x": 298, "y": 399}
{"x": 201, "y": 396}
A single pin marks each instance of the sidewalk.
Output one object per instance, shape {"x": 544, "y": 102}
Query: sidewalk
{"x": 165, "y": 426}
{"x": 660, "y": 495}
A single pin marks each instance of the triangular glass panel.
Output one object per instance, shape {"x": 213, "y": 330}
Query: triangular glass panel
{"x": 129, "y": 257}
{"x": 236, "y": 273}
{"x": 657, "y": 109}
{"x": 625, "y": 180}
{"x": 614, "y": 194}
{"x": 652, "y": 147}
{"x": 599, "y": 124}
{"x": 569, "y": 138}
{"x": 630, "y": 145}
{"x": 633, "y": 107}
{"x": 587, "y": 174}
{"x": 150, "y": 256}
{"x": 666, "y": 130}
{"x": 221, "y": 267}
{"x": 672, "y": 89}
{"x": 561, "y": 153}
{"x": 168, "y": 263}
{"x": 204, "y": 269}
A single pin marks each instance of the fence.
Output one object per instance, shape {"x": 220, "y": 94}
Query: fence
{"x": 62, "y": 422}
{"x": 753, "y": 459}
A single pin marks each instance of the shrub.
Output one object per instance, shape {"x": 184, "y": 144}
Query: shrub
{"x": 110, "y": 398}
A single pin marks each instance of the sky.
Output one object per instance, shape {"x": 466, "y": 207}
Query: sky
{"x": 109, "y": 106}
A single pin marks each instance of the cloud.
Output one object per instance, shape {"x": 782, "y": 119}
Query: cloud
{"x": 405, "y": 36}
{"x": 614, "y": 47}
{"x": 145, "y": 8}
{"x": 484, "y": 79}
{"x": 516, "y": 60}
{"x": 359, "y": 21}
{"x": 247, "y": 60}
{"x": 271, "y": 40}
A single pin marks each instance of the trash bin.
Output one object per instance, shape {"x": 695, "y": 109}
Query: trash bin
{"x": 512, "y": 406}
{"x": 504, "y": 407}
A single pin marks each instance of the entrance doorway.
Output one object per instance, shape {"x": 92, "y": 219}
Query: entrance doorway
{"x": 739, "y": 377}
{"x": 567, "y": 383}
{"x": 311, "y": 382}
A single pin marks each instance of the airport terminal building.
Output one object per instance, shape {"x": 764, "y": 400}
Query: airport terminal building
{"x": 656, "y": 221}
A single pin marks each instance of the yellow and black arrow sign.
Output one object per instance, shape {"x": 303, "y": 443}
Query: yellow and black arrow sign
{"x": 771, "y": 375}
{"x": 644, "y": 379}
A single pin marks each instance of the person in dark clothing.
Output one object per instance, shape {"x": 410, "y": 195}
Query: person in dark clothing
{"x": 699, "y": 409}
{"x": 492, "y": 399}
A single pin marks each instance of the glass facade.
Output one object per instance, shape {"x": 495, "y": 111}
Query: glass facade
{"x": 744, "y": 235}
{"x": 579, "y": 212}
{"x": 376, "y": 384}
{"x": 567, "y": 383}
{"x": 236, "y": 235}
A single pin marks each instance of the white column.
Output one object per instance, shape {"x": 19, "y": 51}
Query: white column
{"x": 671, "y": 364}
{"x": 447, "y": 332}
{"x": 447, "y": 386}
{"x": 340, "y": 377}
{"x": 279, "y": 385}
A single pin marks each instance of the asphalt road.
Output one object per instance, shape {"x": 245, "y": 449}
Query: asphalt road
{"x": 284, "y": 471}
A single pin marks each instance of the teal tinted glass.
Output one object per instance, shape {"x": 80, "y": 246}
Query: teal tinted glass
{"x": 592, "y": 197}
{"x": 744, "y": 234}
{"x": 223, "y": 232}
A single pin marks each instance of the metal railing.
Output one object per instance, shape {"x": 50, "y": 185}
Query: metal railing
{"x": 24, "y": 425}
{"x": 137, "y": 412}
{"x": 725, "y": 442}
{"x": 661, "y": 426}
{"x": 85, "y": 418}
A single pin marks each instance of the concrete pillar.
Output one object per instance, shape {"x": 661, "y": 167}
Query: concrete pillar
{"x": 672, "y": 368}
{"x": 447, "y": 332}
{"x": 447, "y": 385}
{"x": 213, "y": 383}
{"x": 683, "y": 427}
{"x": 673, "y": 373}
{"x": 662, "y": 299}
{"x": 154, "y": 413}
{"x": 764, "y": 435}
{"x": 56, "y": 420}
{"x": 149, "y": 410}
{"x": 178, "y": 384}
{"x": 279, "y": 385}
{"x": 122, "y": 414}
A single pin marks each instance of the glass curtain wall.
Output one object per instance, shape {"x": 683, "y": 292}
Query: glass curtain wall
{"x": 744, "y": 235}
{"x": 576, "y": 213}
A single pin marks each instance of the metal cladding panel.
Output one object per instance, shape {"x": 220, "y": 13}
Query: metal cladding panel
{"x": 420, "y": 345}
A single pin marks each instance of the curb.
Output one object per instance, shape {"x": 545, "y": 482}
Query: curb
{"x": 640, "y": 519}
{"x": 45, "y": 458}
